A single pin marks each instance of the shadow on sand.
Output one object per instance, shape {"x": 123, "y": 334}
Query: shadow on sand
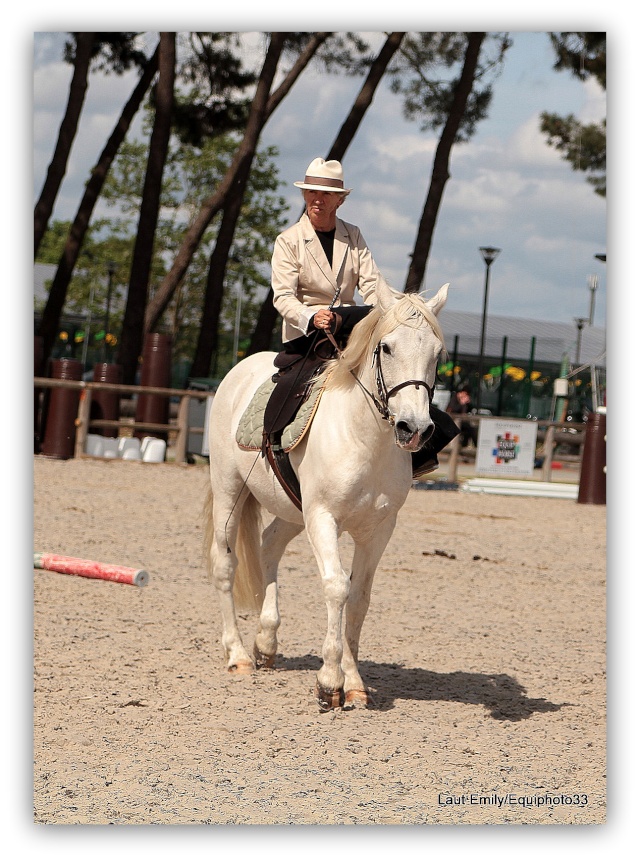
{"x": 500, "y": 694}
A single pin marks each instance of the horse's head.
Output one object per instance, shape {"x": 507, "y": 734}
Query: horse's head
{"x": 408, "y": 343}
{"x": 393, "y": 353}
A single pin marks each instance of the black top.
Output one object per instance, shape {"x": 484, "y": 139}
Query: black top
{"x": 326, "y": 240}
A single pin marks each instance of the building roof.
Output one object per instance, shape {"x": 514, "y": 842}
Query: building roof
{"x": 553, "y": 339}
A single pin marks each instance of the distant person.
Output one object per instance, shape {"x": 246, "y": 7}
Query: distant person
{"x": 460, "y": 404}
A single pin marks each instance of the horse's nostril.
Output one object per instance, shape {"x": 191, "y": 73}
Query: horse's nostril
{"x": 403, "y": 429}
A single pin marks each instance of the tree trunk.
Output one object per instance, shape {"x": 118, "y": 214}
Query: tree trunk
{"x": 265, "y": 326}
{"x": 365, "y": 97}
{"x": 208, "y": 335}
{"x": 440, "y": 172}
{"x": 66, "y": 135}
{"x": 212, "y": 308}
{"x": 214, "y": 203}
{"x": 268, "y": 316}
{"x": 58, "y": 292}
{"x": 133, "y": 323}
{"x": 261, "y": 109}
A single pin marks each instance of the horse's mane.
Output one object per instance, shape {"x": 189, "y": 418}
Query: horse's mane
{"x": 410, "y": 310}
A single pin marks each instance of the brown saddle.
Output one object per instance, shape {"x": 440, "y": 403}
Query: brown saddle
{"x": 294, "y": 381}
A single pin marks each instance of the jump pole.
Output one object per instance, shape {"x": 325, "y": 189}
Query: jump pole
{"x": 91, "y": 569}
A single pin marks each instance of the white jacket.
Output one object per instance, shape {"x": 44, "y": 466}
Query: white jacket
{"x": 303, "y": 282}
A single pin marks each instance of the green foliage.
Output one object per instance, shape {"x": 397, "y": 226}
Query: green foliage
{"x": 88, "y": 288}
{"x": 584, "y": 54}
{"x": 190, "y": 176}
{"x": 420, "y": 75}
{"x": 583, "y": 146}
{"x": 112, "y": 52}
{"x": 211, "y": 100}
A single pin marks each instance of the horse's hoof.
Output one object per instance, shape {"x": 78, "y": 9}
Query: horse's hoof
{"x": 329, "y": 700}
{"x": 241, "y": 668}
{"x": 263, "y": 661}
{"x": 356, "y": 698}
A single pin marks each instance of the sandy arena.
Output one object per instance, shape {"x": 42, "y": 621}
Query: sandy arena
{"x": 484, "y": 645}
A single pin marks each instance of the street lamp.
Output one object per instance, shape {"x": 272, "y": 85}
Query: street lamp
{"x": 580, "y": 323}
{"x": 111, "y": 270}
{"x": 592, "y": 281}
{"x": 593, "y": 286}
{"x": 236, "y": 330}
{"x": 488, "y": 255}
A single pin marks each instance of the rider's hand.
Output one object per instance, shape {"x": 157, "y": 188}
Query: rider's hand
{"x": 323, "y": 319}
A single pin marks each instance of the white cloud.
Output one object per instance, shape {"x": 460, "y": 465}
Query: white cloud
{"x": 528, "y": 146}
{"x": 402, "y": 149}
{"x": 594, "y": 109}
{"x": 51, "y": 87}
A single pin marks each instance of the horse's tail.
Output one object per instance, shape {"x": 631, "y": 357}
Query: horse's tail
{"x": 248, "y": 585}
{"x": 208, "y": 545}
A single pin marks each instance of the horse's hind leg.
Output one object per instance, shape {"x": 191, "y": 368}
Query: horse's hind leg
{"x": 223, "y": 566}
{"x": 274, "y": 542}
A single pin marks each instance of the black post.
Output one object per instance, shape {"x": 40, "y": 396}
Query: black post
{"x": 527, "y": 386}
{"x": 580, "y": 321}
{"x": 502, "y": 364}
{"x": 488, "y": 255}
{"x": 454, "y": 362}
{"x": 111, "y": 269}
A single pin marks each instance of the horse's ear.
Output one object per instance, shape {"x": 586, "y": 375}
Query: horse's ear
{"x": 386, "y": 294}
{"x": 439, "y": 300}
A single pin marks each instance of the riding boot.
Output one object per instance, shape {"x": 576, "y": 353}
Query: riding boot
{"x": 425, "y": 460}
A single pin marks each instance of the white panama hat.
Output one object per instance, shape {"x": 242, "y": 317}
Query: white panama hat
{"x": 324, "y": 175}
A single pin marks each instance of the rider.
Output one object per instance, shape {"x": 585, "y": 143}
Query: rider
{"x": 317, "y": 265}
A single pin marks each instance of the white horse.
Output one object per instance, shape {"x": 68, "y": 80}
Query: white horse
{"x": 354, "y": 471}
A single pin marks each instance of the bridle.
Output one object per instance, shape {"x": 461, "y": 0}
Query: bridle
{"x": 384, "y": 393}
{"x": 381, "y": 402}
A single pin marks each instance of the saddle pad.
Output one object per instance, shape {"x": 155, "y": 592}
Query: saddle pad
{"x": 249, "y": 433}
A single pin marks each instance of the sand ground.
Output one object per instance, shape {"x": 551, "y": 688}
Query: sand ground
{"x": 484, "y": 645}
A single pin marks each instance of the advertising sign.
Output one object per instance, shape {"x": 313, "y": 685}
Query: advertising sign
{"x": 506, "y": 447}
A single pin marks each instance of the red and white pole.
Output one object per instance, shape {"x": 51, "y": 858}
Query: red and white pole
{"x": 91, "y": 569}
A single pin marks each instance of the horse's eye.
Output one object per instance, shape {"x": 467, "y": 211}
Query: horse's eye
{"x": 385, "y": 348}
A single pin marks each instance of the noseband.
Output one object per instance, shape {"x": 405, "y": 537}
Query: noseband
{"x": 381, "y": 402}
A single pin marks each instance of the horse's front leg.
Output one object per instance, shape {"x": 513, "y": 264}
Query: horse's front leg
{"x": 323, "y": 536}
{"x": 366, "y": 557}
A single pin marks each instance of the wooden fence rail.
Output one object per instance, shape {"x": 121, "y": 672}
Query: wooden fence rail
{"x": 551, "y": 434}
{"x": 179, "y": 430}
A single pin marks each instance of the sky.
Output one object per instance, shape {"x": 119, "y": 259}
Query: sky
{"x": 507, "y": 187}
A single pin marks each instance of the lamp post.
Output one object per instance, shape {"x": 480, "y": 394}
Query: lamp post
{"x": 594, "y": 286}
{"x": 236, "y": 330}
{"x": 111, "y": 270}
{"x": 592, "y": 281}
{"x": 488, "y": 255}
{"x": 580, "y": 323}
